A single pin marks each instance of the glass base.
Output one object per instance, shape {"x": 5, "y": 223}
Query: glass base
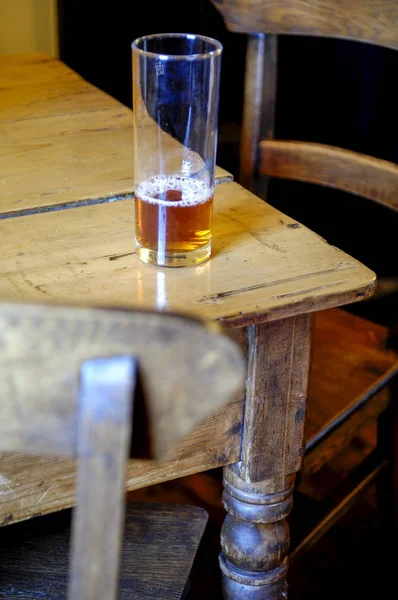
{"x": 174, "y": 259}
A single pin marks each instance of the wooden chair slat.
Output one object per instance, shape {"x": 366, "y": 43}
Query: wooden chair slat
{"x": 103, "y": 442}
{"x": 371, "y": 21}
{"x": 349, "y": 171}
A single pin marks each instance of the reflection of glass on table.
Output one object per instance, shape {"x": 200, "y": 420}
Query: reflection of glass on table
{"x": 175, "y": 97}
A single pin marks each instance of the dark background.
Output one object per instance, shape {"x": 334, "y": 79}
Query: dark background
{"x": 332, "y": 91}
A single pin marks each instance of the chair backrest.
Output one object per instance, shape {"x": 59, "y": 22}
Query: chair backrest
{"x": 372, "y": 21}
{"x": 67, "y": 389}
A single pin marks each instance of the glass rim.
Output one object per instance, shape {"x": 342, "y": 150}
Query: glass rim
{"x": 218, "y": 47}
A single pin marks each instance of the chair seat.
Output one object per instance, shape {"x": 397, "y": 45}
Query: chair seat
{"x": 159, "y": 548}
{"x": 349, "y": 361}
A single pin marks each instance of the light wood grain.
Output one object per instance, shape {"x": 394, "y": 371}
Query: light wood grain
{"x": 50, "y": 484}
{"x": 265, "y": 266}
{"x": 366, "y": 20}
{"x": 37, "y": 85}
{"x": 365, "y": 176}
{"x": 61, "y": 159}
{"x": 63, "y": 141}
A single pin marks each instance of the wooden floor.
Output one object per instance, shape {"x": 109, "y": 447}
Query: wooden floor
{"x": 351, "y": 561}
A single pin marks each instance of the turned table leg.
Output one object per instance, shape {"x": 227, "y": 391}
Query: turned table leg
{"x": 258, "y": 491}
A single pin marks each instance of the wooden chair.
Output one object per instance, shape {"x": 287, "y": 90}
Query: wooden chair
{"x": 68, "y": 382}
{"x": 351, "y": 365}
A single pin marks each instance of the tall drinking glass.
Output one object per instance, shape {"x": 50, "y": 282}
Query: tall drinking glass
{"x": 175, "y": 102}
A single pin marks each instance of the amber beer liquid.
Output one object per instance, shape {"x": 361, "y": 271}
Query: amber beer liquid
{"x": 173, "y": 220}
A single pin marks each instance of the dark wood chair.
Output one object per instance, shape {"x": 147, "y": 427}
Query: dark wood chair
{"x": 352, "y": 367}
{"x": 68, "y": 389}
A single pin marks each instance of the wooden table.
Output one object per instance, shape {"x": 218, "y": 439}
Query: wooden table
{"x": 62, "y": 141}
{"x": 66, "y": 226}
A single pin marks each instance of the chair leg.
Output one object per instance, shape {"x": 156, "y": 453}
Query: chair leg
{"x": 258, "y": 491}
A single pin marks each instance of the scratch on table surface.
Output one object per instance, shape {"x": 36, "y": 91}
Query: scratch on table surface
{"x": 311, "y": 290}
{"x": 4, "y": 480}
{"x": 14, "y": 284}
{"x": 29, "y": 282}
{"x": 39, "y": 288}
{"x": 217, "y": 298}
{"x": 52, "y": 486}
{"x": 5, "y": 485}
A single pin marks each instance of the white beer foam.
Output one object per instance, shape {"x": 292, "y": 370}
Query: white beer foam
{"x": 193, "y": 191}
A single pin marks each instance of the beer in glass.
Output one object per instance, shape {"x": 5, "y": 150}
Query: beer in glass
{"x": 175, "y": 103}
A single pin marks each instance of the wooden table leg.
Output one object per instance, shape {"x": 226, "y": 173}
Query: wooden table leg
{"x": 258, "y": 490}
